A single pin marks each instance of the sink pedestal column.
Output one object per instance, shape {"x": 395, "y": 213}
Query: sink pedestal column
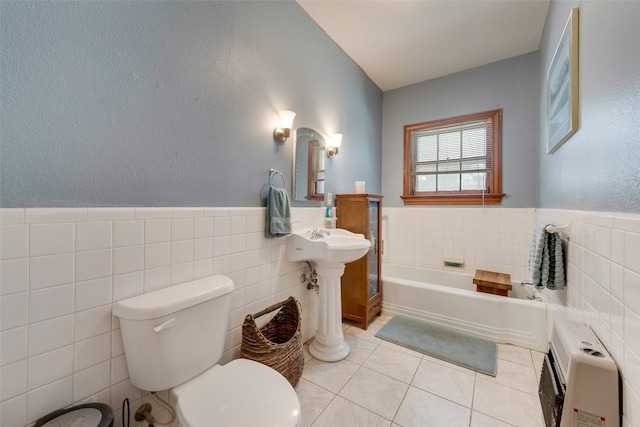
{"x": 328, "y": 344}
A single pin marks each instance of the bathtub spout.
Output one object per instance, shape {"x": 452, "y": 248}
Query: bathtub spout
{"x": 538, "y": 287}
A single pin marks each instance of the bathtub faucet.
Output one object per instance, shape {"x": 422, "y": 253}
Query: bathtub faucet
{"x": 538, "y": 287}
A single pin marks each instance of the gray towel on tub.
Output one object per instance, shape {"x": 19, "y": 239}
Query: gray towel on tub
{"x": 278, "y": 216}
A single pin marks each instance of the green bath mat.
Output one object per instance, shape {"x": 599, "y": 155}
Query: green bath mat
{"x": 470, "y": 352}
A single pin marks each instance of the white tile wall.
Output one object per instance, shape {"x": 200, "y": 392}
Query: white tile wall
{"x": 14, "y": 275}
{"x": 93, "y": 264}
{"x": 51, "y": 239}
{"x": 14, "y": 241}
{"x": 51, "y": 270}
{"x": 603, "y": 269}
{"x": 62, "y": 269}
{"x": 492, "y": 239}
{"x": 128, "y": 233}
{"x": 93, "y": 235}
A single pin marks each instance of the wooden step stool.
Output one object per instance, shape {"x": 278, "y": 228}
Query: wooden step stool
{"x": 491, "y": 282}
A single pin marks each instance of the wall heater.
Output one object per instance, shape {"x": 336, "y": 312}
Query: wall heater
{"x": 579, "y": 384}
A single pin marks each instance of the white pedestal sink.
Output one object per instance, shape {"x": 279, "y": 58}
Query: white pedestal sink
{"x": 330, "y": 250}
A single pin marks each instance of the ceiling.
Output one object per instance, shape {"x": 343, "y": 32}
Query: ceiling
{"x": 401, "y": 42}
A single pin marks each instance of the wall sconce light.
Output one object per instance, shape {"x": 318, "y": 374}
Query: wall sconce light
{"x": 280, "y": 134}
{"x": 333, "y": 144}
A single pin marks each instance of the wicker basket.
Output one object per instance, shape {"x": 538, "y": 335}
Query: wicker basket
{"x": 278, "y": 343}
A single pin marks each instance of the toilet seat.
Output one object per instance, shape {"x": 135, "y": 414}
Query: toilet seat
{"x": 241, "y": 393}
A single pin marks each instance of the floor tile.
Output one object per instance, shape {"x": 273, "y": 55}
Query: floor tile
{"x": 359, "y": 349}
{"x": 420, "y": 408}
{"x": 393, "y": 363}
{"x": 444, "y": 381}
{"x": 349, "y": 323}
{"x": 506, "y": 404}
{"x": 369, "y": 334}
{"x": 538, "y": 359}
{"x": 313, "y": 400}
{"x": 482, "y": 420}
{"x": 375, "y": 392}
{"x": 342, "y": 412}
{"x": 516, "y": 376}
{"x": 448, "y": 364}
{"x": 401, "y": 348}
{"x": 382, "y": 319}
{"x": 307, "y": 355}
{"x": 515, "y": 354}
{"x": 332, "y": 376}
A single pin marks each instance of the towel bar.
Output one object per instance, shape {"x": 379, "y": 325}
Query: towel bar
{"x": 559, "y": 229}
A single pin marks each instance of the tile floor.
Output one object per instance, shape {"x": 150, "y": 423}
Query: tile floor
{"x": 382, "y": 384}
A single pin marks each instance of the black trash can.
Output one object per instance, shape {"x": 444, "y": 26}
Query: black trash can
{"x": 88, "y": 415}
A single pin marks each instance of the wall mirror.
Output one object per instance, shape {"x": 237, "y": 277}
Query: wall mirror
{"x": 308, "y": 165}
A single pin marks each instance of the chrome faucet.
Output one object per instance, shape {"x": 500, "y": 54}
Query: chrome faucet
{"x": 319, "y": 233}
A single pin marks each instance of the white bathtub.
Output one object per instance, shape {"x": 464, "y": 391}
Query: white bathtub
{"x": 449, "y": 299}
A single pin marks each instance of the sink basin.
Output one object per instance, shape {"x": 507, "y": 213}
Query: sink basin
{"x": 329, "y": 245}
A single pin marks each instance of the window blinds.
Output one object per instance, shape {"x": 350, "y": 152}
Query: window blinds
{"x": 453, "y": 157}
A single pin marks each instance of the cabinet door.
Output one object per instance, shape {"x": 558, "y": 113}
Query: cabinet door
{"x": 374, "y": 259}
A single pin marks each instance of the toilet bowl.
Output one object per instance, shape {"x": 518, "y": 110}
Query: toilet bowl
{"x": 253, "y": 395}
{"x": 173, "y": 339}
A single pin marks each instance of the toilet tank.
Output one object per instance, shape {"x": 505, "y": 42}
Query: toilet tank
{"x": 173, "y": 334}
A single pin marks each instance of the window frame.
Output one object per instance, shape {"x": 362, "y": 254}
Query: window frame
{"x": 468, "y": 197}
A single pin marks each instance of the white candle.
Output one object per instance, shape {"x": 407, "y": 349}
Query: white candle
{"x": 360, "y": 187}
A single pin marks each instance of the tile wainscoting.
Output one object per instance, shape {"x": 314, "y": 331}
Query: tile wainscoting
{"x": 62, "y": 269}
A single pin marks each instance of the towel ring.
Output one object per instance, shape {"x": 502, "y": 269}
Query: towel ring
{"x": 273, "y": 172}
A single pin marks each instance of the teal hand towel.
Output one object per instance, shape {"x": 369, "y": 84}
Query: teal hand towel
{"x": 278, "y": 216}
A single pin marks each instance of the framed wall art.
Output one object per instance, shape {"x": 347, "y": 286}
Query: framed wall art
{"x": 562, "y": 87}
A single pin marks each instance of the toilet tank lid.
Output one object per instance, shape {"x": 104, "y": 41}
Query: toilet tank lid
{"x": 165, "y": 301}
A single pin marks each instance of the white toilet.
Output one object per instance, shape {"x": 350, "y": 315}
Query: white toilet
{"x": 173, "y": 339}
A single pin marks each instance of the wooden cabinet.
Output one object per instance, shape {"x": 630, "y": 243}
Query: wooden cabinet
{"x": 361, "y": 285}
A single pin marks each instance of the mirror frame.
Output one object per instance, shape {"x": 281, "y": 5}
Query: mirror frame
{"x": 316, "y": 152}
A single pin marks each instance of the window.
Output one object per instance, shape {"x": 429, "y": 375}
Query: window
{"x": 454, "y": 161}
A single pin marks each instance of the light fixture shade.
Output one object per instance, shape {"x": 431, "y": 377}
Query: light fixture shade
{"x": 333, "y": 145}
{"x": 335, "y": 140}
{"x": 286, "y": 119}
{"x": 282, "y": 132}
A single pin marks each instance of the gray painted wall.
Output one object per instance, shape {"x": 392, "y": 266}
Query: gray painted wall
{"x": 598, "y": 168}
{"x": 172, "y": 103}
{"x": 510, "y": 84}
